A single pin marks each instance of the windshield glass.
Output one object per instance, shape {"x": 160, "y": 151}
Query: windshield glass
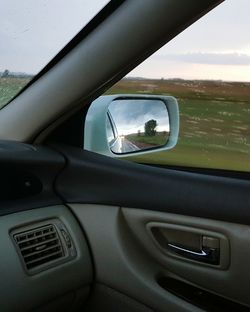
{"x": 32, "y": 33}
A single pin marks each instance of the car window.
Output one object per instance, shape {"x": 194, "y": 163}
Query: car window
{"x": 207, "y": 68}
{"x": 32, "y": 33}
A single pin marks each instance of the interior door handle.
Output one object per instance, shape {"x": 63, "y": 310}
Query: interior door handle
{"x": 206, "y": 254}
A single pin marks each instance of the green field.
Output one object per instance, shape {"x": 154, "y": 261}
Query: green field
{"x": 9, "y": 87}
{"x": 144, "y": 141}
{"x": 214, "y": 120}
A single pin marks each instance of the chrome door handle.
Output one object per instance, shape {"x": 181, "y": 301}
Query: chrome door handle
{"x": 206, "y": 254}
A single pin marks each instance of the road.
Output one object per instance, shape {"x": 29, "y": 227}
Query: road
{"x": 127, "y": 146}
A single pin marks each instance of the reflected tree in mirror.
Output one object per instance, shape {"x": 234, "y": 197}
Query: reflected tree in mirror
{"x": 137, "y": 124}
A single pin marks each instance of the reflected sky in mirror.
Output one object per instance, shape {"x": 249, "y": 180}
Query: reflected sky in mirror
{"x": 131, "y": 115}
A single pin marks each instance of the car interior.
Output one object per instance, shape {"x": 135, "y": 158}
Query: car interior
{"x": 81, "y": 231}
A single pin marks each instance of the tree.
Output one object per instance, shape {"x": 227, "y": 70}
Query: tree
{"x": 150, "y": 127}
{"x": 5, "y": 73}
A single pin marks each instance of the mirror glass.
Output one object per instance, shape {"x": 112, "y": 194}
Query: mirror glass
{"x": 137, "y": 124}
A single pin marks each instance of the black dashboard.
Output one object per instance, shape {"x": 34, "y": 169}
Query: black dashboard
{"x": 45, "y": 260}
{"x": 27, "y": 176}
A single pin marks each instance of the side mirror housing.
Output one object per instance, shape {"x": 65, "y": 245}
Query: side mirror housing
{"x": 128, "y": 124}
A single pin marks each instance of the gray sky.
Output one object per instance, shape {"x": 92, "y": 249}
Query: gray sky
{"x": 32, "y": 32}
{"x": 215, "y": 47}
{"x": 130, "y": 116}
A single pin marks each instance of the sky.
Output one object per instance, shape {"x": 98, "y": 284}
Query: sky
{"x": 217, "y": 46}
{"x": 130, "y": 116}
{"x": 32, "y": 32}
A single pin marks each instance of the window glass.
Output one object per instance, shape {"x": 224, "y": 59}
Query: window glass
{"x": 207, "y": 68}
{"x": 32, "y": 32}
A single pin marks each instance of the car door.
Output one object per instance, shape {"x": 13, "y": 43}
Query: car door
{"x": 162, "y": 238}
{"x": 165, "y": 238}
{"x": 138, "y": 237}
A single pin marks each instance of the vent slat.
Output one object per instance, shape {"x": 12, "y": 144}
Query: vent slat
{"x": 43, "y": 258}
{"x": 39, "y": 246}
{"x": 36, "y": 238}
{"x": 42, "y": 251}
{"x": 41, "y": 262}
{"x": 31, "y": 234}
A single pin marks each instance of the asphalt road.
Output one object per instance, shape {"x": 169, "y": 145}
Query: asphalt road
{"x": 127, "y": 146}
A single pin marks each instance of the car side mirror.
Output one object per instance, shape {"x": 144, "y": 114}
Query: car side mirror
{"x": 123, "y": 125}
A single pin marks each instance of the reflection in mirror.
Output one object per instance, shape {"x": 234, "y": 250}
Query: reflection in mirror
{"x": 137, "y": 124}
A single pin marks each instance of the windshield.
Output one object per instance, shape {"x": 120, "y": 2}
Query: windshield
{"x": 32, "y": 33}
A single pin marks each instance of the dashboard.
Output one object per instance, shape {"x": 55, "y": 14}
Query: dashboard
{"x": 45, "y": 260}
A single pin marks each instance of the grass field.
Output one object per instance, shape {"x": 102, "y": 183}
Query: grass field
{"x": 9, "y": 87}
{"x": 144, "y": 141}
{"x": 214, "y": 120}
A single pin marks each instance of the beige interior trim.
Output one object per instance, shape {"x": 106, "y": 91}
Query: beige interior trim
{"x": 231, "y": 282}
{"x": 127, "y": 258}
{"x": 121, "y": 261}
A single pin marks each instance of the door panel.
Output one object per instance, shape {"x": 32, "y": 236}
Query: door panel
{"x": 230, "y": 278}
{"x": 128, "y": 260}
{"x": 121, "y": 262}
{"x": 202, "y": 215}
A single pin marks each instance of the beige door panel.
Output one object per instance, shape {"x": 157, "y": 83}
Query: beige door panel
{"x": 120, "y": 260}
{"x": 230, "y": 278}
{"x": 128, "y": 258}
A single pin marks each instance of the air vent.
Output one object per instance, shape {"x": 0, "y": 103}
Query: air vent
{"x": 39, "y": 246}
